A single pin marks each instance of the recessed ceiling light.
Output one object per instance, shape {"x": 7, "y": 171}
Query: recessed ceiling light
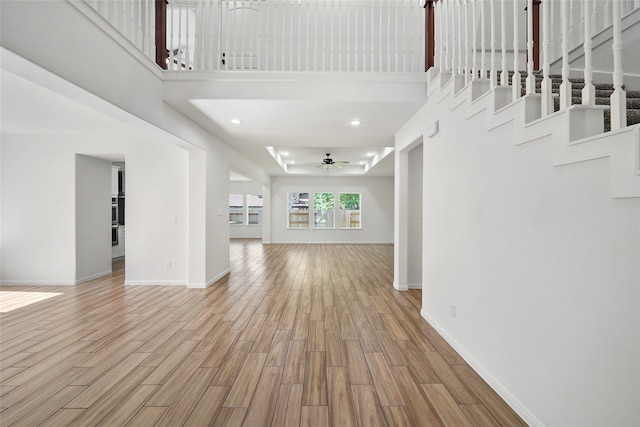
{"x": 284, "y": 153}
{"x": 355, "y": 122}
{"x": 236, "y": 121}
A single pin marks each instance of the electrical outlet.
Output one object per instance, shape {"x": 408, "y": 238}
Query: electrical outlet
{"x": 452, "y": 310}
{"x": 167, "y": 265}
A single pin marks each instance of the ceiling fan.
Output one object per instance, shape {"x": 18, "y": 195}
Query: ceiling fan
{"x": 328, "y": 162}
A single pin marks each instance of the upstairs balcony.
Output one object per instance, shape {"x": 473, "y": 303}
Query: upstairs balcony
{"x": 274, "y": 35}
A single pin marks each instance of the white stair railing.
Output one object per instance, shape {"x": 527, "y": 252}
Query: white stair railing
{"x": 563, "y": 21}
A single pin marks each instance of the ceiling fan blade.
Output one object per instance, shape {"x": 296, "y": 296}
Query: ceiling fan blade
{"x": 341, "y": 162}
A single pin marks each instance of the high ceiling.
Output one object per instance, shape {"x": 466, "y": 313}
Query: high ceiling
{"x": 286, "y": 123}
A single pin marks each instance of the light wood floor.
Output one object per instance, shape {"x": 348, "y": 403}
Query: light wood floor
{"x": 297, "y": 335}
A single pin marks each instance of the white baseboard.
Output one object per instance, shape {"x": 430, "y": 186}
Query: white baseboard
{"x": 414, "y": 285}
{"x": 39, "y": 283}
{"x": 94, "y": 276}
{"x": 514, "y": 402}
{"x": 210, "y": 281}
{"x": 57, "y": 282}
{"x": 155, "y": 282}
{"x": 397, "y": 287}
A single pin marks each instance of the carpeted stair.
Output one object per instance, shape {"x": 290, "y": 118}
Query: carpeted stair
{"x": 603, "y": 92}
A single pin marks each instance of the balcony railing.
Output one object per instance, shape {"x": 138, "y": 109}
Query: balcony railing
{"x": 274, "y": 35}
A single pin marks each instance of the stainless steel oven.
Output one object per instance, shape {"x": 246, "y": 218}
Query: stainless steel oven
{"x": 114, "y": 236}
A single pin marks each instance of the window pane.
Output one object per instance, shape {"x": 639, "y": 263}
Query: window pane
{"x": 298, "y": 210}
{"x": 350, "y": 210}
{"x": 236, "y": 209}
{"x": 254, "y": 209}
{"x": 323, "y": 210}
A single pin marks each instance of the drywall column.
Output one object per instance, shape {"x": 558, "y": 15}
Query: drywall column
{"x": 266, "y": 214}
{"x": 197, "y": 219}
{"x": 400, "y": 225}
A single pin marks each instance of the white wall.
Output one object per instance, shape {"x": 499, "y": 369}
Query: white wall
{"x": 414, "y": 219}
{"x": 376, "y": 216}
{"x": 541, "y": 262}
{"x": 93, "y": 218}
{"x": 245, "y": 231}
{"x": 39, "y": 207}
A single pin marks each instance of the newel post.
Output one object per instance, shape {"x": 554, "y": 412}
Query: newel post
{"x": 429, "y": 34}
{"x": 161, "y": 33}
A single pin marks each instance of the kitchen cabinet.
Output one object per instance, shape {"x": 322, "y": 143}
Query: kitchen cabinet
{"x": 114, "y": 180}
{"x": 121, "y": 240}
{"x": 117, "y": 250}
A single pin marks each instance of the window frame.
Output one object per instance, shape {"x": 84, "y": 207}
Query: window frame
{"x": 296, "y": 200}
{"x": 331, "y": 212}
{"x": 242, "y": 211}
{"x": 248, "y": 207}
{"x": 351, "y": 211}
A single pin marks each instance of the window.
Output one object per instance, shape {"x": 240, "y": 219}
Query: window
{"x": 323, "y": 210}
{"x": 236, "y": 209}
{"x": 298, "y": 210}
{"x": 350, "y": 210}
{"x": 254, "y": 209}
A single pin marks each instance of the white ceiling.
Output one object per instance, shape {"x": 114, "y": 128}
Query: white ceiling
{"x": 305, "y": 115}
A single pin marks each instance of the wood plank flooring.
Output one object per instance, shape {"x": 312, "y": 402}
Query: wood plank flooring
{"x": 296, "y": 335}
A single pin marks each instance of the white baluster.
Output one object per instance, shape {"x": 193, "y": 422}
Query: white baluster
{"x": 139, "y": 22}
{"x": 438, "y": 35}
{"x": 531, "y": 79}
{"x": 364, "y": 35}
{"x": 291, "y": 9}
{"x": 459, "y": 23}
{"x": 474, "y": 65}
{"x": 373, "y": 45}
{"x": 589, "y": 90}
{"x": 170, "y": 65}
{"x": 483, "y": 46}
{"x": 447, "y": 40}
{"x": 308, "y": 26}
{"x": 397, "y": 36}
{"x": 355, "y": 39}
{"x": 618, "y": 97}
{"x": 594, "y": 16}
{"x": 547, "y": 99}
{"x": 348, "y": 38}
{"x": 607, "y": 14}
{"x": 465, "y": 5}
{"x": 389, "y": 35}
{"x": 571, "y": 33}
{"x": 187, "y": 51}
{"x": 453, "y": 31}
{"x": 504, "y": 76}
{"x": 516, "y": 79}
{"x": 565, "y": 86}
{"x": 494, "y": 72}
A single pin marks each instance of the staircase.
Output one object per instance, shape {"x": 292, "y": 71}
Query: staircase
{"x": 603, "y": 93}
